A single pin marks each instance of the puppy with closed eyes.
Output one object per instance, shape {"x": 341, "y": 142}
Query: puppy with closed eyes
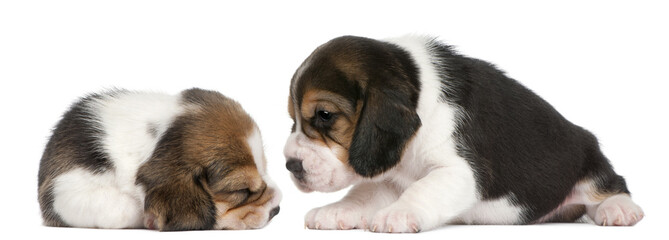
{"x": 123, "y": 159}
{"x": 428, "y": 137}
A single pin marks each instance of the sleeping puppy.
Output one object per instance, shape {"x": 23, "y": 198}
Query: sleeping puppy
{"x": 429, "y": 137}
{"x": 125, "y": 159}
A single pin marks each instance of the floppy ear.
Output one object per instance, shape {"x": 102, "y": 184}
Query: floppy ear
{"x": 175, "y": 200}
{"x": 176, "y": 192}
{"x": 387, "y": 121}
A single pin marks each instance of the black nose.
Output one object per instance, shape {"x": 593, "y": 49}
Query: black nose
{"x": 274, "y": 212}
{"x": 295, "y": 167}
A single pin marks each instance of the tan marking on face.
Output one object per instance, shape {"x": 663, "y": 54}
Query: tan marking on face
{"x": 243, "y": 209}
{"x": 339, "y": 135}
{"x": 246, "y": 216}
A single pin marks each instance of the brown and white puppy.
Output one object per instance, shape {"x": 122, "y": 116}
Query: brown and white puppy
{"x": 123, "y": 159}
{"x": 430, "y": 137}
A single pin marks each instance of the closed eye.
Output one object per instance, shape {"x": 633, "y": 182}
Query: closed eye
{"x": 235, "y": 198}
{"x": 244, "y": 193}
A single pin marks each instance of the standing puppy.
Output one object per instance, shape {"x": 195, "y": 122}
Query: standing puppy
{"x": 126, "y": 159}
{"x": 430, "y": 137}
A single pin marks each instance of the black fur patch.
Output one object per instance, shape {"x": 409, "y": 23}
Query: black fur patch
{"x": 515, "y": 141}
{"x": 75, "y": 142}
{"x": 152, "y": 130}
{"x": 77, "y": 135}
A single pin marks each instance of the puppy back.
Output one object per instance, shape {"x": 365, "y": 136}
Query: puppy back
{"x": 75, "y": 142}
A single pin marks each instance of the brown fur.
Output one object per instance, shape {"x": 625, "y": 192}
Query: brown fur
{"x": 203, "y": 164}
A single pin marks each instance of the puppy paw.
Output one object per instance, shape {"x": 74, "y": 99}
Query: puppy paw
{"x": 337, "y": 216}
{"x": 395, "y": 220}
{"x": 618, "y": 210}
{"x": 151, "y": 222}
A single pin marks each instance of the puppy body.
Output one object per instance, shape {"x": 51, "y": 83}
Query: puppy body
{"x": 429, "y": 137}
{"x": 123, "y": 159}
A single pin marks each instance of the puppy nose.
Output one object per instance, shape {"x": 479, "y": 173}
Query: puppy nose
{"x": 295, "y": 167}
{"x": 274, "y": 212}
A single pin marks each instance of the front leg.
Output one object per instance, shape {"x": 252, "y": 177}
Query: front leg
{"x": 433, "y": 200}
{"x": 354, "y": 210}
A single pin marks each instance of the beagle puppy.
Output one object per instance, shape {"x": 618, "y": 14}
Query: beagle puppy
{"x": 123, "y": 159}
{"x": 429, "y": 137}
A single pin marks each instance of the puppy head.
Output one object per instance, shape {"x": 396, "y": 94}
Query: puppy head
{"x": 353, "y": 103}
{"x": 209, "y": 171}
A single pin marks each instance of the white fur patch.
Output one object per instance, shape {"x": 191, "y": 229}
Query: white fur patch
{"x": 126, "y": 119}
{"x": 255, "y": 143}
{"x": 499, "y": 211}
{"x": 78, "y": 193}
{"x": 616, "y": 210}
{"x": 132, "y": 123}
{"x": 355, "y": 210}
{"x": 257, "y": 149}
{"x": 324, "y": 171}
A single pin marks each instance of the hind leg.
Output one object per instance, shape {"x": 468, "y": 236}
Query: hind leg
{"x": 615, "y": 210}
{"x": 84, "y": 199}
{"x": 607, "y": 204}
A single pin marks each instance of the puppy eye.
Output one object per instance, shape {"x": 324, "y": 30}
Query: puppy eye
{"x": 324, "y": 116}
{"x": 244, "y": 193}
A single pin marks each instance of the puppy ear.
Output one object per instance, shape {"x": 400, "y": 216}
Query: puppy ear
{"x": 387, "y": 121}
{"x": 176, "y": 192}
{"x": 175, "y": 200}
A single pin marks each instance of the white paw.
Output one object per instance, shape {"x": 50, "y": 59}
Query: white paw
{"x": 336, "y": 216}
{"x": 618, "y": 210}
{"x": 395, "y": 220}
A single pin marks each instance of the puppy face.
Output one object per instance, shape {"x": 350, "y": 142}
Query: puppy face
{"x": 353, "y": 105}
{"x": 209, "y": 170}
{"x": 317, "y": 153}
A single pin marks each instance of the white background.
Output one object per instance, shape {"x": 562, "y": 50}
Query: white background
{"x": 601, "y": 64}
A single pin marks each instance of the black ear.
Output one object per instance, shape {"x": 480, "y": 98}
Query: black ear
{"x": 387, "y": 121}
